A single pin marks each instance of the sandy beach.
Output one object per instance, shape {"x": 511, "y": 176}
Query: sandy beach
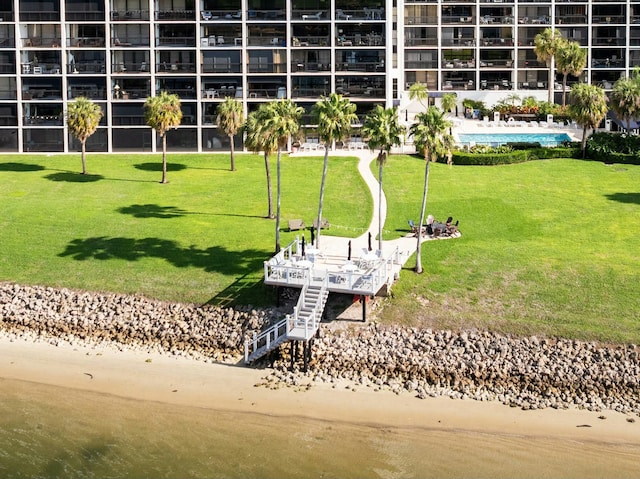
{"x": 575, "y": 443}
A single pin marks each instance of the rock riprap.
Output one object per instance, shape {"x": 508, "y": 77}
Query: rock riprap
{"x": 528, "y": 372}
{"x": 525, "y": 372}
{"x": 204, "y": 332}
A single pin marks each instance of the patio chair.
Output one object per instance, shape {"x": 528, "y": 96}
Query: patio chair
{"x": 324, "y": 223}
{"x": 340, "y": 15}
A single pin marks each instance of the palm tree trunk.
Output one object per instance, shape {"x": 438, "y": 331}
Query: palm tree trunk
{"x": 551, "y": 79}
{"x": 164, "y": 159}
{"x": 269, "y": 192}
{"x": 278, "y": 203}
{"x": 380, "y": 164}
{"x": 84, "y": 165}
{"x": 233, "y": 159}
{"x": 322, "y": 183}
{"x": 564, "y": 90}
{"x": 584, "y": 142}
{"x": 422, "y": 213}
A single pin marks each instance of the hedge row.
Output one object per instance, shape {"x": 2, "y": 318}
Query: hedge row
{"x": 517, "y": 156}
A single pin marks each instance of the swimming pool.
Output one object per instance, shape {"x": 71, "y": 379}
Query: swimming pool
{"x": 495, "y": 139}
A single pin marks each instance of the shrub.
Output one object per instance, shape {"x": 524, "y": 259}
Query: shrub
{"x": 491, "y": 158}
{"x": 524, "y": 145}
{"x": 545, "y": 153}
{"x": 614, "y": 148}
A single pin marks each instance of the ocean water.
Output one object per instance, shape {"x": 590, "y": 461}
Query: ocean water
{"x": 53, "y": 432}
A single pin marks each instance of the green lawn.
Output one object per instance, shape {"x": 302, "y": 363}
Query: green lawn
{"x": 200, "y": 238}
{"x": 548, "y": 247}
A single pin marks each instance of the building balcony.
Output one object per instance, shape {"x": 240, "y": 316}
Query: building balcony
{"x": 43, "y": 120}
{"x": 457, "y": 19}
{"x": 39, "y": 16}
{"x": 571, "y": 19}
{"x": 6, "y": 16}
{"x": 85, "y": 42}
{"x": 361, "y": 67}
{"x": 130, "y": 67}
{"x": 84, "y": 16}
{"x": 221, "y": 67}
{"x": 128, "y": 120}
{"x": 88, "y": 67}
{"x": 450, "y": 64}
{"x": 41, "y": 93}
{"x": 175, "y": 67}
{"x": 310, "y": 41}
{"x": 421, "y": 65}
{"x": 421, "y": 42}
{"x": 123, "y": 41}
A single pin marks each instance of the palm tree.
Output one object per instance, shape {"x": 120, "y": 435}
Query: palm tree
{"x": 83, "y": 118}
{"x": 334, "y": 116}
{"x": 163, "y": 112}
{"x": 449, "y": 101}
{"x": 418, "y": 91}
{"x": 546, "y": 46}
{"x": 282, "y": 122}
{"x": 230, "y": 120}
{"x": 588, "y": 108}
{"x": 431, "y": 137}
{"x": 384, "y": 131}
{"x": 625, "y": 98}
{"x": 571, "y": 60}
{"x": 258, "y": 138}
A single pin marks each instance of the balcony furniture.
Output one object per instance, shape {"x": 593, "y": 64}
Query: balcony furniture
{"x": 220, "y": 40}
{"x": 340, "y": 15}
{"x": 315, "y": 16}
{"x": 206, "y": 15}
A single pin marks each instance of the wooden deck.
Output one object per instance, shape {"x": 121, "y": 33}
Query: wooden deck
{"x": 367, "y": 274}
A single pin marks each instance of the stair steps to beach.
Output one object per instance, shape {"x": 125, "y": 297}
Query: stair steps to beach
{"x": 302, "y": 324}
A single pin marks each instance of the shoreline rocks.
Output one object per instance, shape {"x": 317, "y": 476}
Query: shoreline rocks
{"x": 524, "y": 372}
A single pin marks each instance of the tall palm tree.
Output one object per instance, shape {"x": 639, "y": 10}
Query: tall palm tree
{"x": 334, "y": 116}
{"x": 230, "y": 120}
{"x": 83, "y": 118}
{"x": 431, "y": 137}
{"x": 162, "y": 113}
{"x": 448, "y": 102}
{"x": 282, "y": 121}
{"x": 588, "y": 108}
{"x": 258, "y": 138}
{"x": 571, "y": 60}
{"x": 383, "y": 130}
{"x": 418, "y": 91}
{"x": 546, "y": 45}
{"x": 625, "y": 98}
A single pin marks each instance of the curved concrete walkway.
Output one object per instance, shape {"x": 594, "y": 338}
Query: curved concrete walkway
{"x": 338, "y": 246}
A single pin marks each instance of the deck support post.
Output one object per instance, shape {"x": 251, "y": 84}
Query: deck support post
{"x": 364, "y": 308}
{"x": 294, "y": 352}
{"x": 306, "y": 350}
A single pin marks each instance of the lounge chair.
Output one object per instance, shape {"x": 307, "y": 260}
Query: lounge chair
{"x": 312, "y": 17}
{"x": 414, "y": 228}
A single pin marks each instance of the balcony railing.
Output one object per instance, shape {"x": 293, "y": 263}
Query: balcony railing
{"x": 606, "y": 19}
{"x": 571, "y": 19}
{"x": 169, "y": 67}
{"x": 457, "y": 19}
{"x": 7, "y": 16}
{"x": 423, "y": 64}
{"x": 86, "y": 67}
{"x": 309, "y": 92}
{"x": 267, "y": 67}
{"x": 176, "y": 41}
{"x": 8, "y": 68}
{"x": 128, "y": 120}
{"x": 127, "y": 92}
{"x": 607, "y": 62}
{"x": 185, "y": 93}
{"x": 129, "y": 15}
{"x": 85, "y": 42}
{"x": 269, "y": 93}
{"x": 41, "y": 41}
{"x": 361, "y": 67}
{"x": 420, "y": 42}
{"x": 7, "y": 42}
{"x": 607, "y": 41}
{"x": 302, "y": 66}
{"x": 531, "y": 64}
{"x": 94, "y": 92}
{"x": 458, "y": 42}
{"x": 130, "y": 41}
{"x": 52, "y": 120}
{"x": 459, "y": 64}
{"x": 225, "y": 67}
{"x": 175, "y": 15}
{"x": 496, "y": 85}
{"x": 36, "y": 93}
{"x": 39, "y": 16}
{"x": 130, "y": 67}
{"x": 421, "y": 20}
{"x": 84, "y": 16}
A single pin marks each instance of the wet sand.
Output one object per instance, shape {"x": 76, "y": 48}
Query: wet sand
{"x": 189, "y": 405}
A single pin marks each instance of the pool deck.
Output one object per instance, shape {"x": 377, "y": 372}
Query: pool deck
{"x": 466, "y": 126}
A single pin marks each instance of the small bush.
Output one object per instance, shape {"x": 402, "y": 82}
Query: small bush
{"x": 545, "y": 153}
{"x": 523, "y": 145}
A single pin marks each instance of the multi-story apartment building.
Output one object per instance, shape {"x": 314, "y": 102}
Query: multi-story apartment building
{"x": 118, "y": 52}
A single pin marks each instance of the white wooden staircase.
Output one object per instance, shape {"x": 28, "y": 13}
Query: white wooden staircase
{"x": 302, "y": 324}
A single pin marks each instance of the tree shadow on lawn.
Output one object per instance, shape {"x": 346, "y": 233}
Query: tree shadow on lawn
{"x": 157, "y": 166}
{"x": 213, "y": 259}
{"x": 71, "y": 177}
{"x": 625, "y": 197}
{"x": 152, "y": 211}
{"x": 17, "y": 167}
